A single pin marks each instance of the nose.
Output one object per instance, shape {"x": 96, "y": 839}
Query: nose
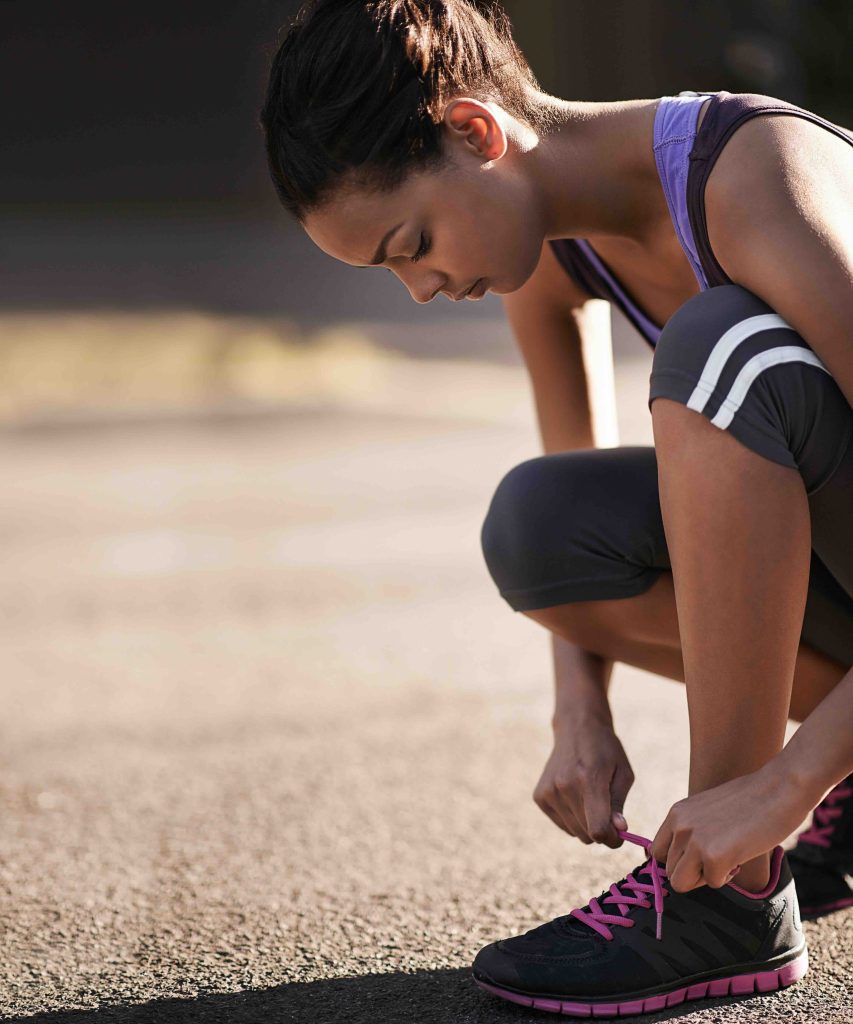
{"x": 423, "y": 289}
{"x": 423, "y": 295}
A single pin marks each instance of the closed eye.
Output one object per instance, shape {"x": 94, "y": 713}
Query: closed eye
{"x": 422, "y": 251}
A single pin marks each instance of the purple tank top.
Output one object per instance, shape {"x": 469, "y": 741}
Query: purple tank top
{"x": 684, "y": 160}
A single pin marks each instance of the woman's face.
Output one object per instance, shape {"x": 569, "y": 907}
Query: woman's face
{"x": 475, "y": 218}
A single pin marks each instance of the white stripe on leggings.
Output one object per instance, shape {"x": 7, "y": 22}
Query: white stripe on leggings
{"x": 720, "y": 353}
{"x": 770, "y": 357}
{"x": 723, "y": 349}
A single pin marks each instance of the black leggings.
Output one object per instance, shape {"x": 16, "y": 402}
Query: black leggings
{"x": 586, "y": 525}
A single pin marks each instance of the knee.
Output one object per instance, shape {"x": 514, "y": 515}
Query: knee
{"x": 698, "y": 324}
{"x": 529, "y": 517}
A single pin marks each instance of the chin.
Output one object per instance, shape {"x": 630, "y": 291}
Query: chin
{"x": 505, "y": 290}
{"x": 521, "y": 279}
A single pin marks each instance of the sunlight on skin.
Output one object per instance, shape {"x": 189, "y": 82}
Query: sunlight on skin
{"x": 477, "y": 217}
{"x": 739, "y": 634}
{"x": 501, "y": 193}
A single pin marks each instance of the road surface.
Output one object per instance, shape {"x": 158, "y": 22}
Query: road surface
{"x": 269, "y": 735}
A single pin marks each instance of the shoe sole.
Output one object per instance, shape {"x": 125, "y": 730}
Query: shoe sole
{"x": 736, "y": 985}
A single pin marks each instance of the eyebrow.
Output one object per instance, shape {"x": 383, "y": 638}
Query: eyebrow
{"x": 381, "y": 255}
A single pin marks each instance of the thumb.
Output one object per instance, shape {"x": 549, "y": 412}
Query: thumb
{"x": 622, "y": 782}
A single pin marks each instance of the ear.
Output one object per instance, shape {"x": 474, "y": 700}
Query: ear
{"x": 477, "y": 125}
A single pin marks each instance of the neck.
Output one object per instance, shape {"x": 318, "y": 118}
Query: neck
{"x": 592, "y": 170}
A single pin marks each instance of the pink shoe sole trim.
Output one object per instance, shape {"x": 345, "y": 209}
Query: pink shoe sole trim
{"x": 736, "y": 985}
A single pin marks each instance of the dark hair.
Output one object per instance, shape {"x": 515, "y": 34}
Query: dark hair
{"x": 357, "y": 90}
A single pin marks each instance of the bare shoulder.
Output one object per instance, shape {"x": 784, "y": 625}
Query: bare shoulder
{"x": 804, "y": 158}
{"x": 550, "y": 286}
{"x": 783, "y": 229}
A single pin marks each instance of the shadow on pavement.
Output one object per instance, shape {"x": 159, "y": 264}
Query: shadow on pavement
{"x": 438, "y": 996}
{"x": 422, "y": 997}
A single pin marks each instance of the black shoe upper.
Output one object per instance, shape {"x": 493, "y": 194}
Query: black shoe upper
{"x": 702, "y": 931}
{"x": 829, "y": 839}
{"x": 820, "y": 889}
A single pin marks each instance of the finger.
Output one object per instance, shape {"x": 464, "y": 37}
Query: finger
{"x": 573, "y": 822}
{"x": 713, "y": 876}
{"x": 620, "y": 787}
{"x": 677, "y": 849}
{"x": 716, "y": 874}
{"x": 688, "y": 872}
{"x": 577, "y": 827}
{"x": 570, "y": 813}
{"x": 620, "y": 825}
{"x": 732, "y": 874}
{"x": 557, "y": 821}
{"x": 552, "y": 814}
{"x": 623, "y": 780}
{"x": 566, "y": 822}
{"x": 662, "y": 842}
{"x": 598, "y": 811}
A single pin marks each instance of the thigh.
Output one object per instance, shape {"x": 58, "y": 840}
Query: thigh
{"x": 831, "y": 585}
{"x": 727, "y": 355}
{"x": 831, "y": 510}
{"x": 586, "y": 526}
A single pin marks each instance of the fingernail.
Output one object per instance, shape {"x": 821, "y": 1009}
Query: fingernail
{"x": 620, "y": 821}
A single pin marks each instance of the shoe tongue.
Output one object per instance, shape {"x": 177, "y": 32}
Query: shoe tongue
{"x": 572, "y": 926}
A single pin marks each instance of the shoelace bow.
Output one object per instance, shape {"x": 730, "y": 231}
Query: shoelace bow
{"x": 824, "y": 815}
{"x": 599, "y": 919}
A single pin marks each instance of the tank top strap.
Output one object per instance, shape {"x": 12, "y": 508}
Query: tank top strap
{"x": 725, "y": 113}
{"x": 674, "y": 139}
{"x": 587, "y": 269}
{"x": 684, "y": 159}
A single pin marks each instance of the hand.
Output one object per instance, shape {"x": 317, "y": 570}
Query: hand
{"x": 585, "y": 782}
{"x": 706, "y": 837}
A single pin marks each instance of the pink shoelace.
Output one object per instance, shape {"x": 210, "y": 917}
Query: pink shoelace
{"x": 599, "y": 919}
{"x": 825, "y": 814}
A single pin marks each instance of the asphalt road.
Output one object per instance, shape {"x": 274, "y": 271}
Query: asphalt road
{"x": 269, "y": 736}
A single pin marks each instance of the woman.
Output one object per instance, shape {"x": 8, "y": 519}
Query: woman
{"x": 412, "y": 135}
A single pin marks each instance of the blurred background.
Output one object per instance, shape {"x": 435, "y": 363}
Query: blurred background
{"x": 133, "y": 188}
{"x": 266, "y": 722}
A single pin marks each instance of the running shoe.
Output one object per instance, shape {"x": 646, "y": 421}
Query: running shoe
{"x": 822, "y": 860}
{"x": 617, "y": 956}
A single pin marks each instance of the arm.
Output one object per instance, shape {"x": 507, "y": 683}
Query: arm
{"x": 565, "y": 341}
{"x": 780, "y": 190}
{"x": 564, "y": 337}
{"x": 829, "y": 731}
{"x": 581, "y": 680}
{"x": 779, "y": 208}
{"x": 705, "y": 837}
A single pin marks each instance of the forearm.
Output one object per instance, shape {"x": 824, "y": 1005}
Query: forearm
{"x": 820, "y": 753}
{"x": 587, "y": 421}
{"x": 581, "y": 681}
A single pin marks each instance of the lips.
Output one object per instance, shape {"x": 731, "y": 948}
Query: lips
{"x": 477, "y": 289}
